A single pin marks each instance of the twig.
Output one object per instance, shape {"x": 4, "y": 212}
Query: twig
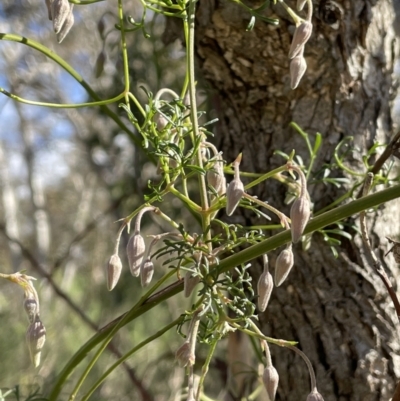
{"x": 377, "y": 264}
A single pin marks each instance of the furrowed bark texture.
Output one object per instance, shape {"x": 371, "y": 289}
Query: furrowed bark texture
{"x": 337, "y": 309}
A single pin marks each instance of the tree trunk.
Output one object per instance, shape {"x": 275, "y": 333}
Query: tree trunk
{"x": 337, "y": 309}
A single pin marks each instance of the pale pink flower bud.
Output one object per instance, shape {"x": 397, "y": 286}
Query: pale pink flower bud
{"x": 146, "y": 272}
{"x": 67, "y": 25}
{"x": 314, "y": 396}
{"x": 298, "y": 67}
{"x": 301, "y": 35}
{"x": 185, "y": 355}
{"x": 299, "y": 214}
{"x": 264, "y": 288}
{"x": 284, "y": 264}
{"x": 35, "y": 337}
{"x": 190, "y": 281}
{"x": 135, "y": 251}
{"x": 161, "y": 121}
{"x": 270, "y": 379}
{"x": 31, "y": 308}
{"x": 216, "y": 176}
{"x": 59, "y": 11}
{"x": 114, "y": 268}
{"x": 234, "y": 193}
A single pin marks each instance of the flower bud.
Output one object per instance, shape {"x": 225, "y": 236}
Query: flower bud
{"x": 31, "y": 308}
{"x": 161, "y": 121}
{"x": 189, "y": 283}
{"x": 270, "y": 379}
{"x": 284, "y": 264}
{"x": 135, "y": 251}
{"x": 185, "y": 355}
{"x": 59, "y": 11}
{"x": 216, "y": 176}
{"x": 301, "y": 35}
{"x": 35, "y": 337}
{"x": 314, "y": 396}
{"x": 298, "y": 67}
{"x": 68, "y": 23}
{"x": 114, "y": 268}
{"x": 146, "y": 272}
{"x": 49, "y": 6}
{"x": 234, "y": 193}
{"x": 264, "y": 287}
{"x": 299, "y": 214}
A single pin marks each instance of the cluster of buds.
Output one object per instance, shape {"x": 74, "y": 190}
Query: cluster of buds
{"x": 185, "y": 354}
{"x": 36, "y": 333}
{"x": 301, "y": 35}
{"x": 60, "y": 12}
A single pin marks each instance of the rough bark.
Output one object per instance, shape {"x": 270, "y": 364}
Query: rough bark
{"x": 337, "y": 309}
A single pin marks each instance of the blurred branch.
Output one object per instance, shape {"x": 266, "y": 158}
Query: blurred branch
{"x": 146, "y": 396}
{"x": 61, "y": 62}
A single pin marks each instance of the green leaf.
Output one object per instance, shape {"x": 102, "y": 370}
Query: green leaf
{"x": 196, "y": 168}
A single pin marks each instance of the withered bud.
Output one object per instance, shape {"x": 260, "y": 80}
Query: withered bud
{"x": 270, "y": 379}
{"x": 114, "y": 268}
{"x": 59, "y": 11}
{"x": 298, "y": 67}
{"x": 301, "y": 35}
{"x": 31, "y": 308}
{"x": 264, "y": 288}
{"x": 35, "y": 337}
{"x": 314, "y": 396}
{"x": 49, "y": 4}
{"x": 299, "y": 214}
{"x": 135, "y": 251}
{"x": 190, "y": 281}
{"x": 284, "y": 264}
{"x": 300, "y": 4}
{"x": 146, "y": 272}
{"x": 185, "y": 355}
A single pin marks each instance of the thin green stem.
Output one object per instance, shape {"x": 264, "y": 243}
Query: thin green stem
{"x": 63, "y": 64}
{"x": 264, "y": 177}
{"x": 193, "y": 111}
{"x": 129, "y": 354}
{"x": 204, "y": 369}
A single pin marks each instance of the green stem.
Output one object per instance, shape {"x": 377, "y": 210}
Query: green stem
{"x": 226, "y": 264}
{"x": 63, "y": 64}
{"x": 193, "y": 111}
{"x": 128, "y": 354}
{"x": 265, "y": 177}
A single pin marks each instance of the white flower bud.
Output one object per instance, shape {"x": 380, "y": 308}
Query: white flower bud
{"x": 298, "y": 67}
{"x": 301, "y": 35}
{"x": 31, "y": 308}
{"x": 49, "y": 6}
{"x": 270, "y": 379}
{"x": 135, "y": 251}
{"x": 234, "y": 193}
{"x": 67, "y": 25}
{"x": 59, "y": 11}
{"x": 284, "y": 264}
{"x": 314, "y": 396}
{"x": 35, "y": 337}
{"x": 264, "y": 288}
{"x": 299, "y": 214}
{"x": 216, "y": 176}
{"x": 146, "y": 272}
{"x": 114, "y": 268}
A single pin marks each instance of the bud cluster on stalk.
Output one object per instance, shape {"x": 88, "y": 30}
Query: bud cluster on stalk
{"x": 60, "y": 12}
{"x": 301, "y": 36}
